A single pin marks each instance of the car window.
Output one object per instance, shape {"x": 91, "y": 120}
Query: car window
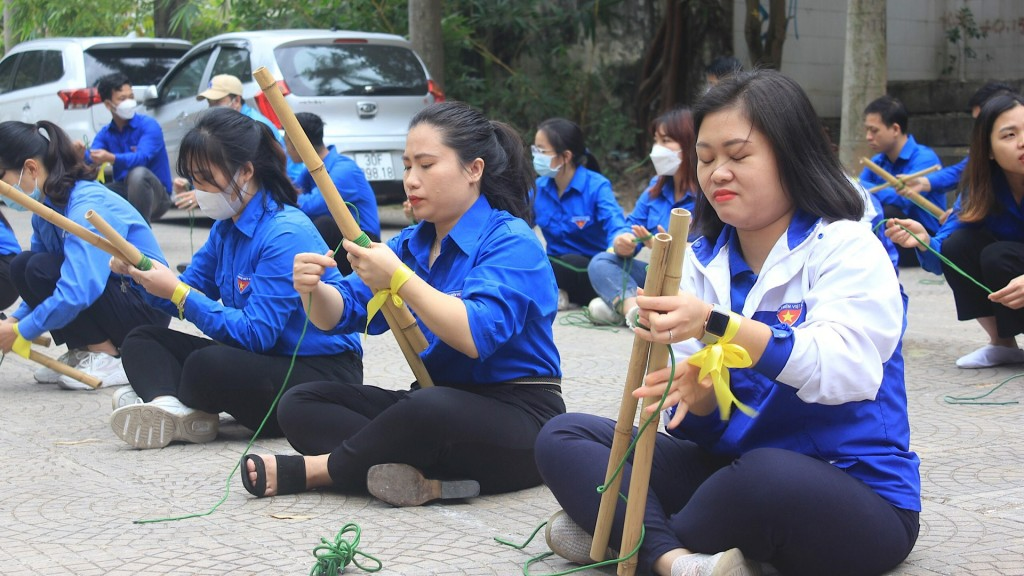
{"x": 234, "y": 61}
{"x": 38, "y": 67}
{"x": 7, "y": 73}
{"x": 184, "y": 82}
{"x": 351, "y": 70}
{"x": 142, "y": 65}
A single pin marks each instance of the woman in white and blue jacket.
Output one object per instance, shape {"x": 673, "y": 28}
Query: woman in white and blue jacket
{"x": 64, "y": 282}
{"x": 238, "y": 291}
{"x": 821, "y": 480}
{"x": 615, "y": 274}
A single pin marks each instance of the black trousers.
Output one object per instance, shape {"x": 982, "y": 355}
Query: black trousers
{"x": 804, "y": 516}
{"x": 575, "y": 280}
{"x": 143, "y": 190}
{"x": 331, "y": 234}
{"x": 484, "y": 433}
{"x": 993, "y": 263}
{"x": 118, "y": 310}
{"x": 8, "y": 291}
{"x": 214, "y": 377}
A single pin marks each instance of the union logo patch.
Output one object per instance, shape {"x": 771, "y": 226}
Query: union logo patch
{"x": 788, "y": 314}
{"x": 242, "y": 282}
{"x": 581, "y": 221}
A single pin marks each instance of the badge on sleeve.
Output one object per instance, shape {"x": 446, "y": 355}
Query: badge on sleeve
{"x": 581, "y": 221}
{"x": 790, "y": 314}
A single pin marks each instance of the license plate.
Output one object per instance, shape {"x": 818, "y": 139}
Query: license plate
{"x": 376, "y": 165}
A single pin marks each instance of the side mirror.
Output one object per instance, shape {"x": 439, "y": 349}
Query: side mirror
{"x": 149, "y": 95}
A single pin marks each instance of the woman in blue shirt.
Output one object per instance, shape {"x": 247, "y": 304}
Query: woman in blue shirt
{"x": 64, "y": 282}
{"x": 615, "y": 274}
{"x": 575, "y": 206}
{"x": 476, "y": 277}
{"x": 237, "y": 290}
{"x": 9, "y": 248}
{"x": 984, "y": 235}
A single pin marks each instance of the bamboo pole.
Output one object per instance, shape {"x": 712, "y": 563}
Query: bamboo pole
{"x": 907, "y": 178}
{"x": 663, "y": 279}
{"x": 133, "y": 255}
{"x": 897, "y": 183}
{"x": 42, "y": 340}
{"x": 64, "y": 369}
{"x": 400, "y": 319}
{"x": 61, "y": 221}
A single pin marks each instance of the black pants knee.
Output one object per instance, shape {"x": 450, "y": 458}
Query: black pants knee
{"x": 331, "y": 234}
{"x": 8, "y": 291}
{"x": 484, "y": 435}
{"x": 214, "y": 377}
{"x": 571, "y": 276}
{"x": 993, "y": 263}
{"x": 143, "y": 190}
{"x": 117, "y": 311}
{"x": 803, "y": 515}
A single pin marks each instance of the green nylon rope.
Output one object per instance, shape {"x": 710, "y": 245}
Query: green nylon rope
{"x": 583, "y": 319}
{"x": 934, "y": 251}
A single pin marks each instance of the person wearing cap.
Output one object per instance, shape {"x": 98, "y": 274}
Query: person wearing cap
{"x": 134, "y": 145}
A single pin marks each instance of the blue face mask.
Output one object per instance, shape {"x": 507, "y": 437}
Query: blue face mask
{"x": 36, "y": 194}
{"x": 542, "y": 165}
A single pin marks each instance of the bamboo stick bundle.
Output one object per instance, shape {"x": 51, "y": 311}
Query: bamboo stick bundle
{"x": 897, "y": 183}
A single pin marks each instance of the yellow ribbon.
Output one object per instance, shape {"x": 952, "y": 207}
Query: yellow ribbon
{"x": 21, "y": 346}
{"x": 715, "y": 360}
{"x": 398, "y": 279}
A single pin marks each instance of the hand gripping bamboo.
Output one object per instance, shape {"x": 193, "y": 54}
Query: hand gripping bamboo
{"x": 907, "y": 178}
{"x": 897, "y": 183}
{"x": 133, "y": 255}
{"x": 62, "y": 222}
{"x": 401, "y": 321}
{"x": 663, "y": 278}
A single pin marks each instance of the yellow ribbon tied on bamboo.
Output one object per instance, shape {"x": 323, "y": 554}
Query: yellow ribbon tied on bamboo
{"x": 398, "y": 279}
{"x": 715, "y": 360}
{"x": 21, "y": 347}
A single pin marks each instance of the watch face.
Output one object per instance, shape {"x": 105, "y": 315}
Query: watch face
{"x": 717, "y": 323}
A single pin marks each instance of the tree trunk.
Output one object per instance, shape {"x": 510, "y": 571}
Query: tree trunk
{"x": 425, "y": 36}
{"x": 864, "y": 75}
{"x": 163, "y": 12}
{"x": 766, "y": 52}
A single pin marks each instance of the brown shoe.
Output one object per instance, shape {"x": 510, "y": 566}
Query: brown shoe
{"x": 402, "y": 485}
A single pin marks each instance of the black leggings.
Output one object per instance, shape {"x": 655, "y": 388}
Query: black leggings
{"x": 802, "y": 515}
{"x": 8, "y": 292}
{"x": 989, "y": 261}
{"x": 214, "y": 378}
{"x": 575, "y": 281}
{"x": 143, "y": 190}
{"x": 484, "y": 433}
{"x": 117, "y": 311}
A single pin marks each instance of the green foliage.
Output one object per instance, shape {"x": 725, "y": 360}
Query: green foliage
{"x": 961, "y": 30}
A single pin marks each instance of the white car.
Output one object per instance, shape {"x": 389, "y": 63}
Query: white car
{"x": 365, "y": 86}
{"x": 54, "y": 78}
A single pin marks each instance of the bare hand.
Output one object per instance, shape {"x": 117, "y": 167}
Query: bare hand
{"x": 894, "y": 229}
{"x": 407, "y": 210}
{"x": 685, "y": 392}
{"x": 160, "y": 281}
{"x": 671, "y": 318}
{"x": 118, "y": 266}
{"x": 1011, "y": 295}
{"x": 186, "y": 200}
{"x": 101, "y": 156}
{"x": 374, "y": 265}
{"x": 945, "y": 216}
{"x": 914, "y": 186}
{"x": 624, "y": 245}
{"x": 179, "y": 185}
{"x": 7, "y": 336}
{"x": 309, "y": 268}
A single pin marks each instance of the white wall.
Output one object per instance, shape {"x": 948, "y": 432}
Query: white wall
{"x": 917, "y": 46}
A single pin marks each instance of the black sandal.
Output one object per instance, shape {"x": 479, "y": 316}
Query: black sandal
{"x": 291, "y": 475}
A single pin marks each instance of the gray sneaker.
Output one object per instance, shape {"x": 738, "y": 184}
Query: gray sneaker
{"x": 728, "y": 563}
{"x": 45, "y": 375}
{"x": 569, "y": 540}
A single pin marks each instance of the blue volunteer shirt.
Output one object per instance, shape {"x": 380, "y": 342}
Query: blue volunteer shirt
{"x": 494, "y": 262}
{"x": 585, "y": 220}
{"x": 1005, "y": 222}
{"x": 948, "y": 178}
{"x": 913, "y": 158}
{"x": 653, "y": 212}
{"x": 247, "y": 266}
{"x": 8, "y": 241}
{"x": 348, "y": 177}
{"x": 141, "y": 143}
{"x": 86, "y": 268}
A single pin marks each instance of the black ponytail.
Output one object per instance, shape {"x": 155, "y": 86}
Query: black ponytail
{"x": 566, "y": 135}
{"x": 20, "y": 141}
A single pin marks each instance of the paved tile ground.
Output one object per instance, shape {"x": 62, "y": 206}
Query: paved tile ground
{"x": 70, "y": 489}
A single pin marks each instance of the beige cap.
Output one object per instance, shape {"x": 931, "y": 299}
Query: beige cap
{"x": 220, "y": 86}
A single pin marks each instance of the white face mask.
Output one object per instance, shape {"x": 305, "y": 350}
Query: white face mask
{"x": 126, "y": 109}
{"x": 220, "y": 205}
{"x": 666, "y": 160}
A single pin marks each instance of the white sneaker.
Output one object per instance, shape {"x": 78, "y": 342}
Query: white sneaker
{"x": 569, "y": 540}
{"x": 601, "y": 314}
{"x": 991, "y": 355}
{"x": 564, "y": 303}
{"x": 158, "y": 423}
{"x": 107, "y": 368}
{"x": 45, "y": 375}
{"x": 124, "y": 396}
{"x": 728, "y": 563}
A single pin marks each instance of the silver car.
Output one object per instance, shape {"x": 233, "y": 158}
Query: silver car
{"x": 365, "y": 86}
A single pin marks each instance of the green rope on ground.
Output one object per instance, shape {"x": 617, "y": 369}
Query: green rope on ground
{"x": 333, "y": 557}
{"x": 977, "y": 400}
{"x": 604, "y": 487}
{"x": 940, "y": 256}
